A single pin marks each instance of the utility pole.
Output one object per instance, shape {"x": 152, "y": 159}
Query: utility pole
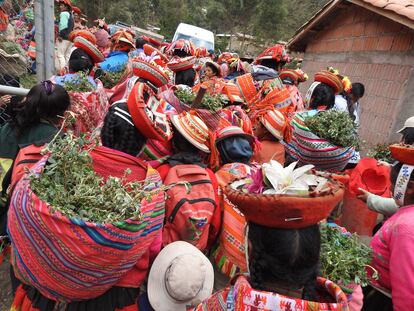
{"x": 45, "y": 39}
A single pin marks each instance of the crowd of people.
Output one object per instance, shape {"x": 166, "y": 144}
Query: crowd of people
{"x": 237, "y": 225}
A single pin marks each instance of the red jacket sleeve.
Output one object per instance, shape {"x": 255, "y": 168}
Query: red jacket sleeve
{"x": 216, "y": 219}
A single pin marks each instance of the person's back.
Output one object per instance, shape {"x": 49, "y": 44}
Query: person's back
{"x": 192, "y": 215}
{"x": 35, "y": 120}
{"x": 283, "y": 265}
{"x": 393, "y": 245}
{"x": 189, "y": 212}
{"x": 393, "y": 258}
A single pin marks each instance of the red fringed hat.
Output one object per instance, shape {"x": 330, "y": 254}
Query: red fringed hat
{"x": 153, "y": 41}
{"x": 149, "y": 50}
{"x": 330, "y": 79}
{"x": 201, "y": 52}
{"x": 84, "y": 34}
{"x": 67, "y": 2}
{"x": 285, "y": 211}
{"x": 370, "y": 176}
{"x": 147, "y": 113}
{"x": 76, "y": 10}
{"x": 149, "y": 72}
{"x": 232, "y": 131}
{"x": 226, "y": 57}
{"x": 403, "y": 153}
{"x": 123, "y": 40}
{"x": 91, "y": 49}
{"x": 296, "y": 75}
{"x": 181, "y": 44}
{"x": 180, "y": 64}
{"x": 277, "y": 52}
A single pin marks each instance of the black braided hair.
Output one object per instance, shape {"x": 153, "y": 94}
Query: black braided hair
{"x": 323, "y": 95}
{"x": 408, "y": 135}
{"x": 288, "y": 80}
{"x": 285, "y": 257}
{"x": 39, "y": 104}
{"x": 272, "y": 64}
{"x": 186, "y": 77}
{"x": 181, "y": 144}
{"x": 119, "y": 134}
{"x": 180, "y": 53}
{"x": 80, "y": 61}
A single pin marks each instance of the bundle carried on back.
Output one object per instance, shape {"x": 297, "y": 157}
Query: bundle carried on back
{"x": 82, "y": 218}
{"x": 89, "y": 103}
{"x": 316, "y": 141}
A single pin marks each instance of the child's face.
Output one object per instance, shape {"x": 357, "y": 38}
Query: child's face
{"x": 209, "y": 72}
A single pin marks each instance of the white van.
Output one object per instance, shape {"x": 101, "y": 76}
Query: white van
{"x": 199, "y": 36}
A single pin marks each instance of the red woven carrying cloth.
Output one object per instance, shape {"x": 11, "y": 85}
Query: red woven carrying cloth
{"x": 89, "y": 108}
{"x": 68, "y": 259}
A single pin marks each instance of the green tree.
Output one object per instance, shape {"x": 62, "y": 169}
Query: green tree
{"x": 269, "y": 20}
{"x": 171, "y": 13}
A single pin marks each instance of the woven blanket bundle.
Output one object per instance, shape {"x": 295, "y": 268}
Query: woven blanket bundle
{"x": 308, "y": 148}
{"x": 89, "y": 108}
{"x": 68, "y": 259}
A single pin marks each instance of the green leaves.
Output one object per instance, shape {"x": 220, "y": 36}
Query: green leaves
{"x": 71, "y": 186}
{"x": 381, "y": 152}
{"x": 344, "y": 258}
{"x": 111, "y": 78}
{"x": 80, "y": 83}
{"x": 335, "y": 126}
{"x": 185, "y": 96}
{"x": 209, "y": 102}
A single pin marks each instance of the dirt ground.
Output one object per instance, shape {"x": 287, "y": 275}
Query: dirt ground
{"x": 5, "y": 287}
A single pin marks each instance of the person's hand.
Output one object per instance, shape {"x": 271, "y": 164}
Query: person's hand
{"x": 5, "y": 99}
{"x": 383, "y": 163}
{"x": 364, "y": 196}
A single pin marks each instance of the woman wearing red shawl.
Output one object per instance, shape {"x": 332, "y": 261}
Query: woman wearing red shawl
{"x": 212, "y": 79}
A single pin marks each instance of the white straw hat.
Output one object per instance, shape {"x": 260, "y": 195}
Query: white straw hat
{"x": 180, "y": 277}
{"x": 408, "y": 123}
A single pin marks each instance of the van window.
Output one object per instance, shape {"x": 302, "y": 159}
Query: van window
{"x": 197, "y": 42}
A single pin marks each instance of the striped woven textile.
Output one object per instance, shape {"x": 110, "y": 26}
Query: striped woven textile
{"x": 69, "y": 259}
{"x": 229, "y": 256}
{"x": 307, "y": 148}
{"x": 156, "y": 152}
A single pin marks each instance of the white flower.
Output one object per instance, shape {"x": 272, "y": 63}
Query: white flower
{"x": 288, "y": 179}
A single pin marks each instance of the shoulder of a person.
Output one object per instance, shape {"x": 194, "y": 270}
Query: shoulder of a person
{"x": 402, "y": 222}
{"x": 6, "y": 132}
{"x": 41, "y": 130}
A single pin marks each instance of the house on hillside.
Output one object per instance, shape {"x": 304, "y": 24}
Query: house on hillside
{"x": 371, "y": 41}
{"x": 242, "y": 43}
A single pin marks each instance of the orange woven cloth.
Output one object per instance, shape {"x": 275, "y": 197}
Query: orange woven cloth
{"x": 270, "y": 150}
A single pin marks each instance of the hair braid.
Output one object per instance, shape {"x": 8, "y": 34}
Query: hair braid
{"x": 285, "y": 257}
{"x": 119, "y": 134}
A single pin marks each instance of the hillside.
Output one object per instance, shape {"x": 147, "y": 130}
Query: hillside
{"x": 265, "y": 19}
